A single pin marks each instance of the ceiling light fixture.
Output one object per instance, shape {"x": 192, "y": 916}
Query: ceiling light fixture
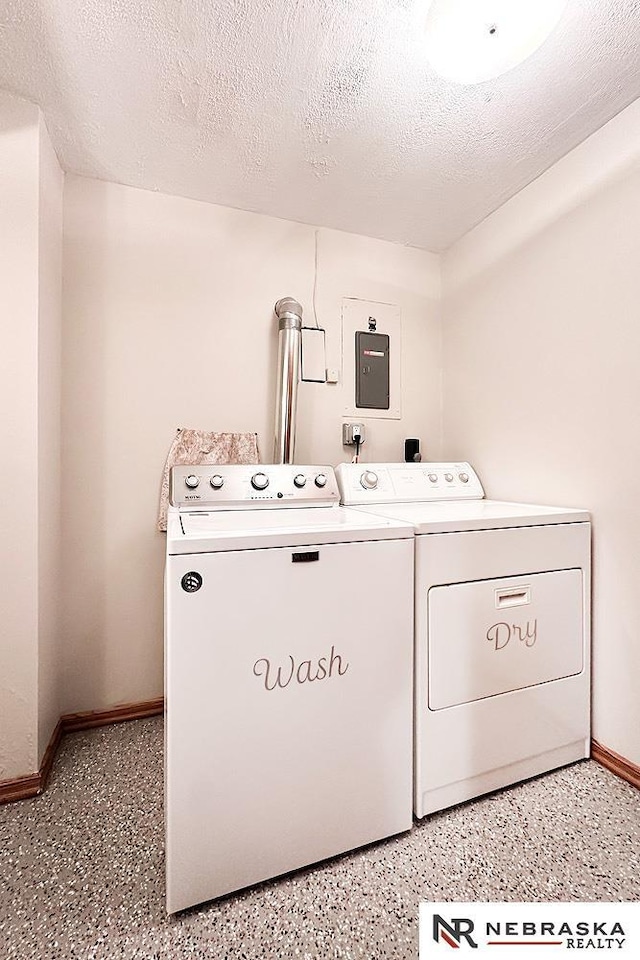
{"x": 469, "y": 41}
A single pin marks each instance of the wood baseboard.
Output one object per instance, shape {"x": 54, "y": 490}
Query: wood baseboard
{"x": 50, "y": 754}
{"x": 21, "y": 788}
{"x": 100, "y": 718}
{"x": 616, "y": 764}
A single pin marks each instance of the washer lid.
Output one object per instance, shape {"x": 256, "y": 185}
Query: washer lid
{"x": 452, "y": 516}
{"x": 253, "y": 529}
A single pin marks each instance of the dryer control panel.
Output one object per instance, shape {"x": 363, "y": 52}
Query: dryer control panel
{"x": 407, "y": 482}
{"x": 252, "y": 486}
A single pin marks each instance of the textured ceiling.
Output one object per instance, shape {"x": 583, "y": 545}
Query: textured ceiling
{"x": 323, "y": 111}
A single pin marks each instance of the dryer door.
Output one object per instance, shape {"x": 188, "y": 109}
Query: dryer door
{"x": 490, "y": 637}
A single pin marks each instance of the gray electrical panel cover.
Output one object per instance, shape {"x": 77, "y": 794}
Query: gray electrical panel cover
{"x": 372, "y": 370}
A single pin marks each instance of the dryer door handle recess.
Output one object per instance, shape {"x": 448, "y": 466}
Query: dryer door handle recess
{"x": 513, "y": 597}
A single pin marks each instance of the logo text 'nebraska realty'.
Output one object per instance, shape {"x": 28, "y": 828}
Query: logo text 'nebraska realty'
{"x": 578, "y": 936}
{"x": 479, "y": 926}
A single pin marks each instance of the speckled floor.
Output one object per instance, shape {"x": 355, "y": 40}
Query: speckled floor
{"x": 82, "y": 866}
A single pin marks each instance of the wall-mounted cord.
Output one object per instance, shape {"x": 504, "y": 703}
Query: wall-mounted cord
{"x": 357, "y": 439}
{"x": 315, "y": 277}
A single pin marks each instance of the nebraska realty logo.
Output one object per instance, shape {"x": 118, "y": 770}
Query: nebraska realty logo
{"x": 538, "y": 926}
{"x": 453, "y": 932}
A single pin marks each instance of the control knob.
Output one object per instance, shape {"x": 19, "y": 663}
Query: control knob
{"x": 321, "y": 480}
{"x": 299, "y": 480}
{"x": 369, "y": 480}
{"x": 216, "y": 481}
{"x": 191, "y": 481}
{"x": 464, "y": 477}
{"x": 433, "y": 477}
{"x": 448, "y": 477}
{"x": 259, "y": 481}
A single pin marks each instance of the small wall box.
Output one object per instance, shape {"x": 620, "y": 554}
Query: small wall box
{"x": 314, "y": 364}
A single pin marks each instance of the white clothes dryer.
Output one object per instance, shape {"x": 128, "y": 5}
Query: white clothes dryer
{"x": 502, "y": 628}
{"x": 288, "y": 676}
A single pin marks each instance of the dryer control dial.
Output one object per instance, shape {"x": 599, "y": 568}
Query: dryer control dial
{"x": 369, "y": 480}
{"x": 321, "y": 480}
{"x": 448, "y": 477}
{"x": 217, "y": 481}
{"x": 191, "y": 481}
{"x": 259, "y": 481}
{"x": 299, "y": 480}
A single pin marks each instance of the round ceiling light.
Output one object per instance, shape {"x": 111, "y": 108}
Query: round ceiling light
{"x": 469, "y": 41}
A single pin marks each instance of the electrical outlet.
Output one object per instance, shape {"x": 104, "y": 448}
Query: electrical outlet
{"x": 350, "y": 431}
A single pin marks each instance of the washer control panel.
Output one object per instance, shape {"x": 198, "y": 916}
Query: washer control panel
{"x": 252, "y": 486}
{"x": 407, "y": 482}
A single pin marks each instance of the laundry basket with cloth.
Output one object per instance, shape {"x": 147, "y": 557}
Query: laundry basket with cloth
{"x": 202, "y": 446}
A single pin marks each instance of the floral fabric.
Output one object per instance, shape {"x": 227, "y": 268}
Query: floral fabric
{"x": 202, "y": 446}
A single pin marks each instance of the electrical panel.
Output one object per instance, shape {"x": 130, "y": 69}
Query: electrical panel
{"x": 371, "y": 360}
{"x": 372, "y": 370}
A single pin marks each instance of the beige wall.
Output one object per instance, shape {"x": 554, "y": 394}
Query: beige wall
{"x": 30, "y": 207}
{"x": 49, "y": 440}
{"x": 541, "y": 386}
{"x": 168, "y": 322}
{"x": 18, "y": 464}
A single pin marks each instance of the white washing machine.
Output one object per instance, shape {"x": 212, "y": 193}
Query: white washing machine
{"x": 289, "y": 676}
{"x": 502, "y": 628}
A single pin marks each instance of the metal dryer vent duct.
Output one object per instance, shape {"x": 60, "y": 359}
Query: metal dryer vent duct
{"x": 289, "y": 314}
